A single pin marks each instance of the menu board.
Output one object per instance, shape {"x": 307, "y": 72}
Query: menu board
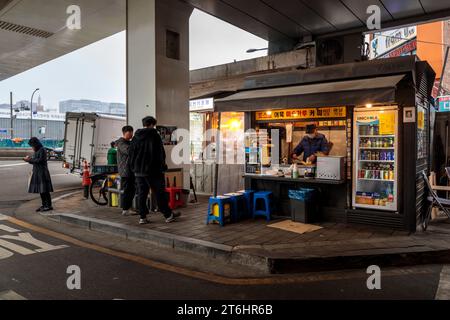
{"x": 305, "y": 113}
{"x": 387, "y": 123}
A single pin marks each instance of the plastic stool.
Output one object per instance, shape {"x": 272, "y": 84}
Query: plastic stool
{"x": 265, "y": 196}
{"x": 248, "y": 194}
{"x": 238, "y": 206}
{"x": 175, "y": 197}
{"x": 219, "y": 210}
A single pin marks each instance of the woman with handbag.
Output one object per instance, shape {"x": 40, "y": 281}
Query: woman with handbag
{"x": 40, "y": 181}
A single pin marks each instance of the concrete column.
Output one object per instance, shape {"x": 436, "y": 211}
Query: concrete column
{"x": 158, "y": 64}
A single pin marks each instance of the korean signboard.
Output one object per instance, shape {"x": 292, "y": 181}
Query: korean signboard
{"x": 201, "y": 105}
{"x": 386, "y": 41}
{"x": 299, "y": 114}
{"x": 444, "y": 103}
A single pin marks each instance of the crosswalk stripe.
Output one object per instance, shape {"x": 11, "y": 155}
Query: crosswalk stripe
{"x": 443, "y": 291}
{"x": 10, "y": 295}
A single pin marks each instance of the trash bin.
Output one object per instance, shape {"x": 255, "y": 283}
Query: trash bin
{"x": 303, "y": 205}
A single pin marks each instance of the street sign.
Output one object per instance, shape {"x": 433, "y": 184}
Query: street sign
{"x": 444, "y": 103}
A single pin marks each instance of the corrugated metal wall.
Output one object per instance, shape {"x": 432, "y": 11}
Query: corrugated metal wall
{"x": 53, "y": 129}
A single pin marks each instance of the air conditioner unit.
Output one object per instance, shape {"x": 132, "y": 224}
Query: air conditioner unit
{"x": 337, "y": 50}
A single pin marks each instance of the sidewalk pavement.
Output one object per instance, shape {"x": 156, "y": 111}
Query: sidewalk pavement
{"x": 253, "y": 243}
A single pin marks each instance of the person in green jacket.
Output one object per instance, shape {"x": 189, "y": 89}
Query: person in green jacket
{"x": 112, "y": 155}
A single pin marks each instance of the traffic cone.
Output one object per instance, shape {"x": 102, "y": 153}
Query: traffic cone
{"x": 86, "y": 180}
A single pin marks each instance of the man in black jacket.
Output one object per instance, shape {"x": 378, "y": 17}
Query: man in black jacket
{"x": 148, "y": 163}
{"x": 127, "y": 179}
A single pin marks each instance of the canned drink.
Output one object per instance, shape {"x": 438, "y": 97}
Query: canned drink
{"x": 391, "y": 175}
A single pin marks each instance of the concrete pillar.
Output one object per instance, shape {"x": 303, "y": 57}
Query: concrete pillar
{"x": 158, "y": 64}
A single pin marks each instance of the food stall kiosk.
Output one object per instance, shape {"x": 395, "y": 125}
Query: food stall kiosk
{"x": 376, "y": 117}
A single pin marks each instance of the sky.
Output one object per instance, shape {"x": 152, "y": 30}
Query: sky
{"x": 89, "y": 73}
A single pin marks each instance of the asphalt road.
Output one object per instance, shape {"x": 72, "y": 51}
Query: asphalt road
{"x": 34, "y": 265}
{"x": 14, "y": 180}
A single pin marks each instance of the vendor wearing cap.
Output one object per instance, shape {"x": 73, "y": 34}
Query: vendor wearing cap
{"x": 311, "y": 144}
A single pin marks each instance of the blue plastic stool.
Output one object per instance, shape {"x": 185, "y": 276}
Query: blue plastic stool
{"x": 265, "y": 196}
{"x": 239, "y": 206}
{"x": 248, "y": 194}
{"x": 222, "y": 215}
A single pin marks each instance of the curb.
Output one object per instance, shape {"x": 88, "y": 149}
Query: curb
{"x": 322, "y": 264}
{"x": 200, "y": 247}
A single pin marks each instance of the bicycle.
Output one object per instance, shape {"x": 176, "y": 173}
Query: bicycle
{"x": 98, "y": 189}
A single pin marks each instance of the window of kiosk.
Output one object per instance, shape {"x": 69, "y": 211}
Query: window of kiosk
{"x": 291, "y": 126}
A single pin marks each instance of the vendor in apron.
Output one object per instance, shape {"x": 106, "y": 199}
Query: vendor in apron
{"x": 311, "y": 144}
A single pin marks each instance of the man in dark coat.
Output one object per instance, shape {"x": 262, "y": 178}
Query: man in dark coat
{"x": 127, "y": 179}
{"x": 40, "y": 181}
{"x": 313, "y": 143}
{"x": 148, "y": 163}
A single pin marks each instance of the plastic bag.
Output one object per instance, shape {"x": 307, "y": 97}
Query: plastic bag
{"x": 303, "y": 194}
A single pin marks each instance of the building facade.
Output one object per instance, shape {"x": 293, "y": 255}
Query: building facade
{"x": 428, "y": 41}
{"x": 45, "y": 125}
{"x": 92, "y": 106}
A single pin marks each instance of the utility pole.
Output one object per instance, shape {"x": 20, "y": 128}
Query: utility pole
{"x": 12, "y": 114}
{"x": 31, "y": 108}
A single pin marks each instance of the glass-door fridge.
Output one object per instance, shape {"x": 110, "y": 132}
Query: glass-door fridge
{"x": 375, "y": 158}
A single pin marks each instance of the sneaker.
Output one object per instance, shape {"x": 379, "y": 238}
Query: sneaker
{"x": 40, "y": 209}
{"x": 144, "y": 221}
{"x": 125, "y": 213}
{"x": 46, "y": 209}
{"x": 173, "y": 217}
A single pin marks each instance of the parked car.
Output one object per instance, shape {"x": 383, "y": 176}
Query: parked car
{"x": 56, "y": 153}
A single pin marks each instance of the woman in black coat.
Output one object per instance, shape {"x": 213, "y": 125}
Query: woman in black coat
{"x": 41, "y": 181}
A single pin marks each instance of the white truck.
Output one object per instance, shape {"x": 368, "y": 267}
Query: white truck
{"x": 88, "y": 136}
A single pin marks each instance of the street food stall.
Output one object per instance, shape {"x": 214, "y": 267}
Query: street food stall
{"x": 373, "y": 119}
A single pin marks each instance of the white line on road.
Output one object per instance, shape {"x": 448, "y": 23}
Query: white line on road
{"x": 10, "y": 295}
{"x": 65, "y": 196}
{"x": 443, "y": 291}
{"x": 13, "y": 165}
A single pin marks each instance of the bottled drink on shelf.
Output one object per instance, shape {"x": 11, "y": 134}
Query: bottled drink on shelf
{"x": 391, "y": 174}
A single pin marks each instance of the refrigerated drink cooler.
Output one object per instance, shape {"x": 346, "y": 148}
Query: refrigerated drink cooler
{"x": 375, "y": 152}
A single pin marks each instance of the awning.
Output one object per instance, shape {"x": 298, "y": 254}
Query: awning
{"x": 353, "y": 92}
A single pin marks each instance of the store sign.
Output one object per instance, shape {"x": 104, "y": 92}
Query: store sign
{"x": 444, "y": 103}
{"x": 299, "y": 114}
{"x": 201, "y": 105}
{"x": 386, "y": 41}
{"x": 406, "y": 49}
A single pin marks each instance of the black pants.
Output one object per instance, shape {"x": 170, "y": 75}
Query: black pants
{"x": 129, "y": 191}
{"x": 158, "y": 187}
{"x": 46, "y": 200}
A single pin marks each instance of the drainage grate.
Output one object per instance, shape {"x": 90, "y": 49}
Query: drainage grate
{"x": 24, "y": 30}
